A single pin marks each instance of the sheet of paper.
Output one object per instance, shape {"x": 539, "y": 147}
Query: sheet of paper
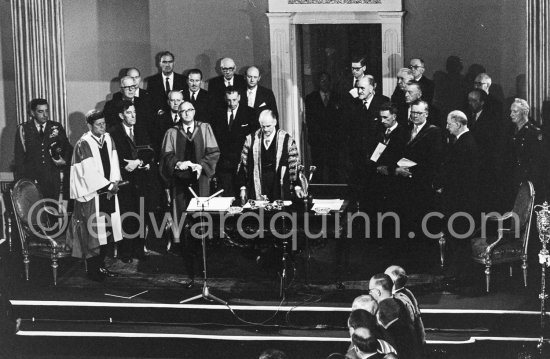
{"x": 354, "y": 93}
{"x": 333, "y": 204}
{"x": 405, "y": 162}
{"x": 378, "y": 152}
{"x": 216, "y": 204}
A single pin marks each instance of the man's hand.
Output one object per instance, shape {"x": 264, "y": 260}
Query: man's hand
{"x": 131, "y": 165}
{"x": 114, "y": 189}
{"x": 183, "y": 165}
{"x": 197, "y": 168}
{"x": 299, "y": 192}
{"x": 403, "y": 171}
{"x": 383, "y": 170}
{"x": 60, "y": 162}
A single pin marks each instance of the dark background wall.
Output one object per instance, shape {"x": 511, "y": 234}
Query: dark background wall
{"x": 104, "y": 36}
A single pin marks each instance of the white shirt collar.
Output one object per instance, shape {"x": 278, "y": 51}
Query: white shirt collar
{"x": 420, "y": 127}
{"x": 460, "y": 134}
{"x": 127, "y": 129}
{"x": 228, "y": 82}
{"x": 253, "y": 90}
{"x": 196, "y": 93}
{"x": 270, "y": 138}
{"x": 37, "y": 124}
{"x": 393, "y": 127}
{"x": 170, "y": 77}
{"x": 191, "y": 126}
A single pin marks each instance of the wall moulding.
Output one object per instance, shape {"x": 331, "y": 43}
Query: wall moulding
{"x": 334, "y": 5}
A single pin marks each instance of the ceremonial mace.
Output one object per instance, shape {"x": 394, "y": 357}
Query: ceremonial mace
{"x": 543, "y": 226}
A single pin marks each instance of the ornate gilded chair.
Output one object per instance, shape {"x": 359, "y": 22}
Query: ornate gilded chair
{"x": 41, "y": 225}
{"x": 512, "y": 237}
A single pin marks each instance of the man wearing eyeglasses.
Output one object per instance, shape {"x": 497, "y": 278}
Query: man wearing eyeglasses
{"x": 229, "y": 77}
{"x": 414, "y": 92}
{"x": 414, "y": 182}
{"x": 483, "y": 82}
{"x": 166, "y": 80}
{"x": 143, "y": 108}
{"x": 417, "y": 67}
{"x": 189, "y": 157}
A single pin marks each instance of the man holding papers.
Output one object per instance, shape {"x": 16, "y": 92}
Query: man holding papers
{"x": 189, "y": 157}
{"x": 425, "y": 149}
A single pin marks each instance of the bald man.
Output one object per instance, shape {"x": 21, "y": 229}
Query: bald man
{"x": 258, "y": 98}
{"x": 229, "y": 77}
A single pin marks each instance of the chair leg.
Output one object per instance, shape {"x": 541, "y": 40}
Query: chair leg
{"x": 442, "y": 242}
{"x": 488, "y": 274}
{"x": 524, "y": 267}
{"x": 85, "y": 263}
{"x": 26, "y": 262}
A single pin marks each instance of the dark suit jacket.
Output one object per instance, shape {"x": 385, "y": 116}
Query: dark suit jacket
{"x": 324, "y": 124}
{"x": 231, "y": 141}
{"x": 155, "y": 87}
{"x": 426, "y": 149}
{"x": 216, "y": 89}
{"x": 458, "y": 176}
{"x": 265, "y": 100}
{"x": 143, "y": 94}
{"x": 489, "y": 136}
{"x": 427, "y": 87}
{"x": 395, "y": 146}
{"x": 202, "y": 105}
{"x": 163, "y": 123}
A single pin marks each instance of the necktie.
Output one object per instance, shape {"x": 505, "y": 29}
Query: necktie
{"x": 354, "y": 82}
{"x": 231, "y": 118}
{"x": 366, "y": 103}
{"x": 176, "y": 118}
{"x": 132, "y": 134}
{"x": 387, "y": 135}
{"x": 189, "y": 133}
{"x": 267, "y": 143}
{"x": 41, "y": 132}
{"x": 193, "y": 97}
{"x": 325, "y": 99}
{"x": 414, "y": 132}
{"x": 167, "y": 86}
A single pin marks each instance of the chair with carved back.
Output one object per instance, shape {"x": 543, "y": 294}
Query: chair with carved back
{"x": 512, "y": 237}
{"x": 41, "y": 225}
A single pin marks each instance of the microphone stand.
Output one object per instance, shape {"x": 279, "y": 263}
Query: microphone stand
{"x": 286, "y": 256}
{"x": 205, "y": 289}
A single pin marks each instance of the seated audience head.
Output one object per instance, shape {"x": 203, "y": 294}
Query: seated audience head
{"x": 404, "y": 77}
{"x": 519, "y": 112}
{"x": 397, "y": 275}
{"x": 361, "y": 318}
{"x": 268, "y": 122}
{"x": 175, "y": 98}
{"x": 365, "y": 87}
{"x": 39, "y": 110}
{"x": 135, "y": 75}
{"x": 380, "y": 286}
{"x": 419, "y": 112}
{"x": 388, "y": 114}
{"x": 364, "y": 342}
{"x": 228, "y": 68}
{"x": 457, "y": 122}
{"x": 194, "y": 80}
{"x": 365, "y": 302}
{"x": 96, "y": 122}
{"x": 273, "y": 354}
{"x": 127, "y": 113}
{"x": 166, "y": 62}
{"x": 483, "y": 82}
{"x": 417, "y": 67}
{"x": 358, "y": 67}
{"x": 127, "y": 87}
{"x": 232, "y": 97}
{"x": 252, "y": 77}
{"x": 477, "y": 99}
{"x": 413, "y": 92}
{"x": 324, "y": 81}
{"x": 186, "y": 112}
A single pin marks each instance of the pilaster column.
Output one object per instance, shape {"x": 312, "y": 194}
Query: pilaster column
{"x": 392, "y": 48}
{"x": 538, "y": 56}
{"x": 39, "y": 56}
{"x": 284, "y": 72}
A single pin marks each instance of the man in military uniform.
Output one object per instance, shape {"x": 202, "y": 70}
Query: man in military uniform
{"x": 525, "y": 151}
{"x": 42, "y": 150}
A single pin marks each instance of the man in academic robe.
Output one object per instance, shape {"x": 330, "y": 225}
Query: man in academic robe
{"x": 229, "y": 77}
{"x": 161, "y": 84}
{"x": 231, "y": 125}
{"x": 135, "y": 167}
{"x": 95, "y": 176}
{"x": 198, "y": 96}
{"x": 35, "y": 142}
{"x": 457, "y": 182}
{"x": 190, "y": 154}
{"x": 258, "y": 98}
{"x": 414, "y": 180}
{"x": 269, "y": 160}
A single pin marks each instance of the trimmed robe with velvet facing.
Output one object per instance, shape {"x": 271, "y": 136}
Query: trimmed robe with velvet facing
{"x": 87, "y": 178}
{"x": 206, "y": 153}
{"x": 286, "y": 154}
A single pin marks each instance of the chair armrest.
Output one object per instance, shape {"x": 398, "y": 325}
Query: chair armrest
{"x": 504, "y": 217}
{"x": 492, "y": 246}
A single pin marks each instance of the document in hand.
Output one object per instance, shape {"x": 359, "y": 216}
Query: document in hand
{"x": 405, "y": 162}
{"x": 378, "y": 152}
{"x": 354, "y": 93}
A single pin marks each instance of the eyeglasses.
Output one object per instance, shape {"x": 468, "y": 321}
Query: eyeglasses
{"x": 356, "y": 68}
{"x": 414, "y": 113}
{"x": 477, "y": 83}
{"x": 133, "y": 87}
{"x": 228, "y": 68}
{"x": 187, "y": 111}
{"x": 415, "y": 67}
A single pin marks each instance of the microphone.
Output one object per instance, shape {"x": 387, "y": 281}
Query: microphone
{"x": 283, "y": 172}
{"x": 311, "y": 170}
